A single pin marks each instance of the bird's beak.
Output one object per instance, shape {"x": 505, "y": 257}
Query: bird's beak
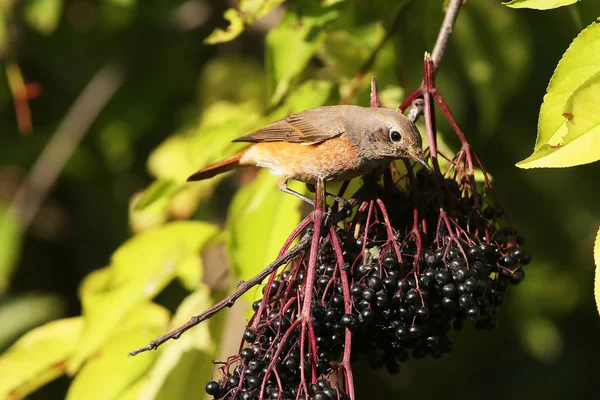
{"x": 421, "y": 160}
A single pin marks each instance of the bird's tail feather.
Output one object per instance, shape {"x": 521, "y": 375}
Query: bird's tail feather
{"x": 217, "y": 168}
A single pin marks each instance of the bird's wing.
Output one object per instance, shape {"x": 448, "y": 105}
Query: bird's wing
{"x": 293, "y": 129}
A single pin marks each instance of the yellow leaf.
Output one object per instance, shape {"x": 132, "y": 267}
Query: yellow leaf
{"x": 38, "y": 357}
{"x": 111, "y": 372}
{"x": 568, "y": 129}
{"x": 249, "y": 11}
{"x": 539, "y": 4}
{"x": 235, "y": 28}
{"x": 139, "y": 269}
{"x": 184, "y": 366}
{"x": 582, "y": 150}
{"x": 597, "y": 280}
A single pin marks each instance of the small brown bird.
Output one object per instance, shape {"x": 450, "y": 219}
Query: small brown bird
{"x": 334, "y": 142}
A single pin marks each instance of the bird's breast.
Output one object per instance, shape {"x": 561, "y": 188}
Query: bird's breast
{"x": 335, "y": 159}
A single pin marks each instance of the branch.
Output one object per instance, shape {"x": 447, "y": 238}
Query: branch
{"x": 445, "y": 32}
{"x": 61, "y": 146}
{"x": 230, "y": 300}
{"x": 436, "y": 55}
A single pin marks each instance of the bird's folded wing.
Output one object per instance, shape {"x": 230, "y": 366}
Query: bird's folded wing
{"x": 292, "y": 129}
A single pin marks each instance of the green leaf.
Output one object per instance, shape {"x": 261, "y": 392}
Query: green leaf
{"x": 38, "y": 357}
{"x": 110, "y": 372}
{"x": 183, "y": 368}
{"x": 291, "y": 45}
{"x": 248, "y": 11}
{"x": 260, "y": 219}
{"x": 139, "y": 270}
{"x": 10, "y": 244}
{"x": 568, "y": 132}
{"x": 597, "y": 278}
{"x": 43, "y": 15}
{"x": 539, "y": 4}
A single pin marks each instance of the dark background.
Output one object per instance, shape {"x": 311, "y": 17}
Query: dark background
{"x": 547, "y": 343}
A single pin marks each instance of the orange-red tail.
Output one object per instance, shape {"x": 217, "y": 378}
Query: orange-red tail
{"x": 217, "y": 168}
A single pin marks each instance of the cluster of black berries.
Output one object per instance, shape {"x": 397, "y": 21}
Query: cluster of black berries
{"x": 416, "y": 258}
{"x": 270, "y": 367}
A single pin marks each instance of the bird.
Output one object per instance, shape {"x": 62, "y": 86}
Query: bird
{"x": 336, "y": 143}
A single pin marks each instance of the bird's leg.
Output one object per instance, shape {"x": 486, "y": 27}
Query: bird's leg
{"x": 341, "y": 202}
{"x": 344, "y": 207}
{"x": 282, "y": 185}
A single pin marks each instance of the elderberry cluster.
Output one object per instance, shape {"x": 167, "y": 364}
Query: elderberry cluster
{"x": 268, "y": 346}
{"x": 401, "y": 313}
{"x": 411, "y": 267}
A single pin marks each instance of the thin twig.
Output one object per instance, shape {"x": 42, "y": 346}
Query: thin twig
{"x": 445, "y": 31}
{"x": 230, "y": 300}
{"x": 61, "y": 146}
{"x": 436, "y": 55}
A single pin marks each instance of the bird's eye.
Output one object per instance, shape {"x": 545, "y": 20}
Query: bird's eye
{"x": 395, "y": 136}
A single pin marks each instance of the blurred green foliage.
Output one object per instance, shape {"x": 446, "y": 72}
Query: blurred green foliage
{"x": 181, "y": 103}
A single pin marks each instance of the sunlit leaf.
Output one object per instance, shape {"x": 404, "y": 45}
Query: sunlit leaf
{"x": 260, "y": 218}
{"x": 292, "y": 43}
{"x": 10, "y": 244}
{"x": 190, "y": 272}
{"x": 111, "y": 372}
{"x": 38, "y": 357}
{"x": 568, "y": 132}
{"x": 136, "y": 390}
{"x": 184, "y": 367}
{"x": 597, "y": 279}
{"x": 539, "y": 4}
{"x": 43, "y": 15}
{"x": 246, "y": 13}
{"x": 139, "y": 269}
